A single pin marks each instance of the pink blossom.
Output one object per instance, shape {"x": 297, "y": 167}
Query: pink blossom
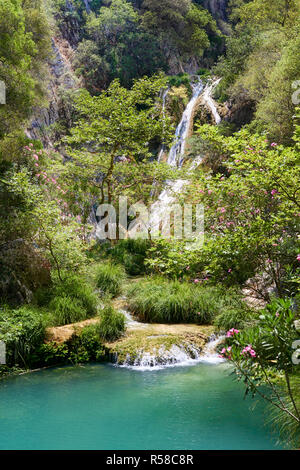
{"x": 35, "y": 157}
{"x": 229, "y": 270}
{"x": 273, "y": 144}
{"x": 196, "y": 281}
{"x": 36, "y": 164}
{"x": 298, "y": 258}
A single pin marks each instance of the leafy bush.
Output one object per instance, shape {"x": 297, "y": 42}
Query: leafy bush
{"x": 109, "y": 278}
{"x": 78, "y": 288}
{"x": 131, "y": 254}
{"x": 235, "y": 317}
{"x": 67, "y": 310}
{"x": 22, "y": 330}
{"x": 111, "y": 325}
{"x": 161, "y": 301}
{"x": 82, "y": 348}
{"x": 180, "y": 79}
{"x": 265, "y": 357}
{"x": 70, "y": 301}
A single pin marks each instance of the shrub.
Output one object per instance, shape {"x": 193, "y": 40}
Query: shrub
{"x": 22, "y": 330}
{"x": 129, "y": 253}
{"x": 67, "y": 310}
{"x": 70, "y": 301}
{"x": 161, "y": 301}
{"x": 111, "y": 325}
{"x": 109, "y": 278}
{"x": 78, "y": 288}
{"x": 238, "y": 317}
{"x": 85, "y": 347}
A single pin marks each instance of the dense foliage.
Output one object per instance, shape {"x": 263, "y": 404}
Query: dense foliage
{"x": 134, "y": 61}
{"x": 161, "y": 301}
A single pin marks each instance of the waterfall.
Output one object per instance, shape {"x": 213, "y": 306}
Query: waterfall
{"x": 177, "y": 150}
{"x": 176, "y": 154}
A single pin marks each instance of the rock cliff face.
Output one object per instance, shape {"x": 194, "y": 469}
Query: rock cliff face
{"x": 61, "y": 78}
{"x": 218, "y": 8}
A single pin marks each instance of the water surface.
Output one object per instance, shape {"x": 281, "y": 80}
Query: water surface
{"x": 105, "y": 407}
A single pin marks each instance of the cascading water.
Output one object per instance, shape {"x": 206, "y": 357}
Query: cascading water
{"x": 184, "y": 354}
{"x": 210, "y": 102}
{"x": 176, "y": 154}
{"x": 184, "y": 127}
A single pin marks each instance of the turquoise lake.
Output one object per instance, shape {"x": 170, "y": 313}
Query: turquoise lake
{"x": 105, "y": 407}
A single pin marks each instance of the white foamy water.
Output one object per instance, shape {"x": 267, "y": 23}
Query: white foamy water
{"x": 207, "y": 97}
{"x": 177, "y": 356}
{"x": 131, "y": 322}
{"x": 209, "y": 353}
{"x": 178, "y": 149}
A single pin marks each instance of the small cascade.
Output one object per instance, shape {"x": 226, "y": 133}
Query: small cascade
{"x": 209, "y": 353}
{"x": 178, "y": 149}
{"x": 178, "y": 355}
{"x": 131, "y": 322}
{"x": 184, "y": 354}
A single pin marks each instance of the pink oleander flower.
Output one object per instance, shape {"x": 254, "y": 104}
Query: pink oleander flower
{"x": 269, "y": 261}
{"x": 273, "y": 144}
{"x": 35, "y": 157}
{"x": 298, "y": 258}
{"x": 273, "y": 192}
{"x": 232, "y": 332}
{"x": 196, "y": 281}
{"x": 249, "y": 350}
{"x": 230, "y": 270}
{"x": 36, "y": 164}
{"x": 209, "y": 191}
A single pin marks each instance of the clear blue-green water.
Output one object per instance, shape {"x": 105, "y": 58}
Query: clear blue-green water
{"x": 104, "y": 407}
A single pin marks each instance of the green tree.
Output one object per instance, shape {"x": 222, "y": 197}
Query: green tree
{"x": 110, "y": 146}
{"x": 23, "y": 48}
